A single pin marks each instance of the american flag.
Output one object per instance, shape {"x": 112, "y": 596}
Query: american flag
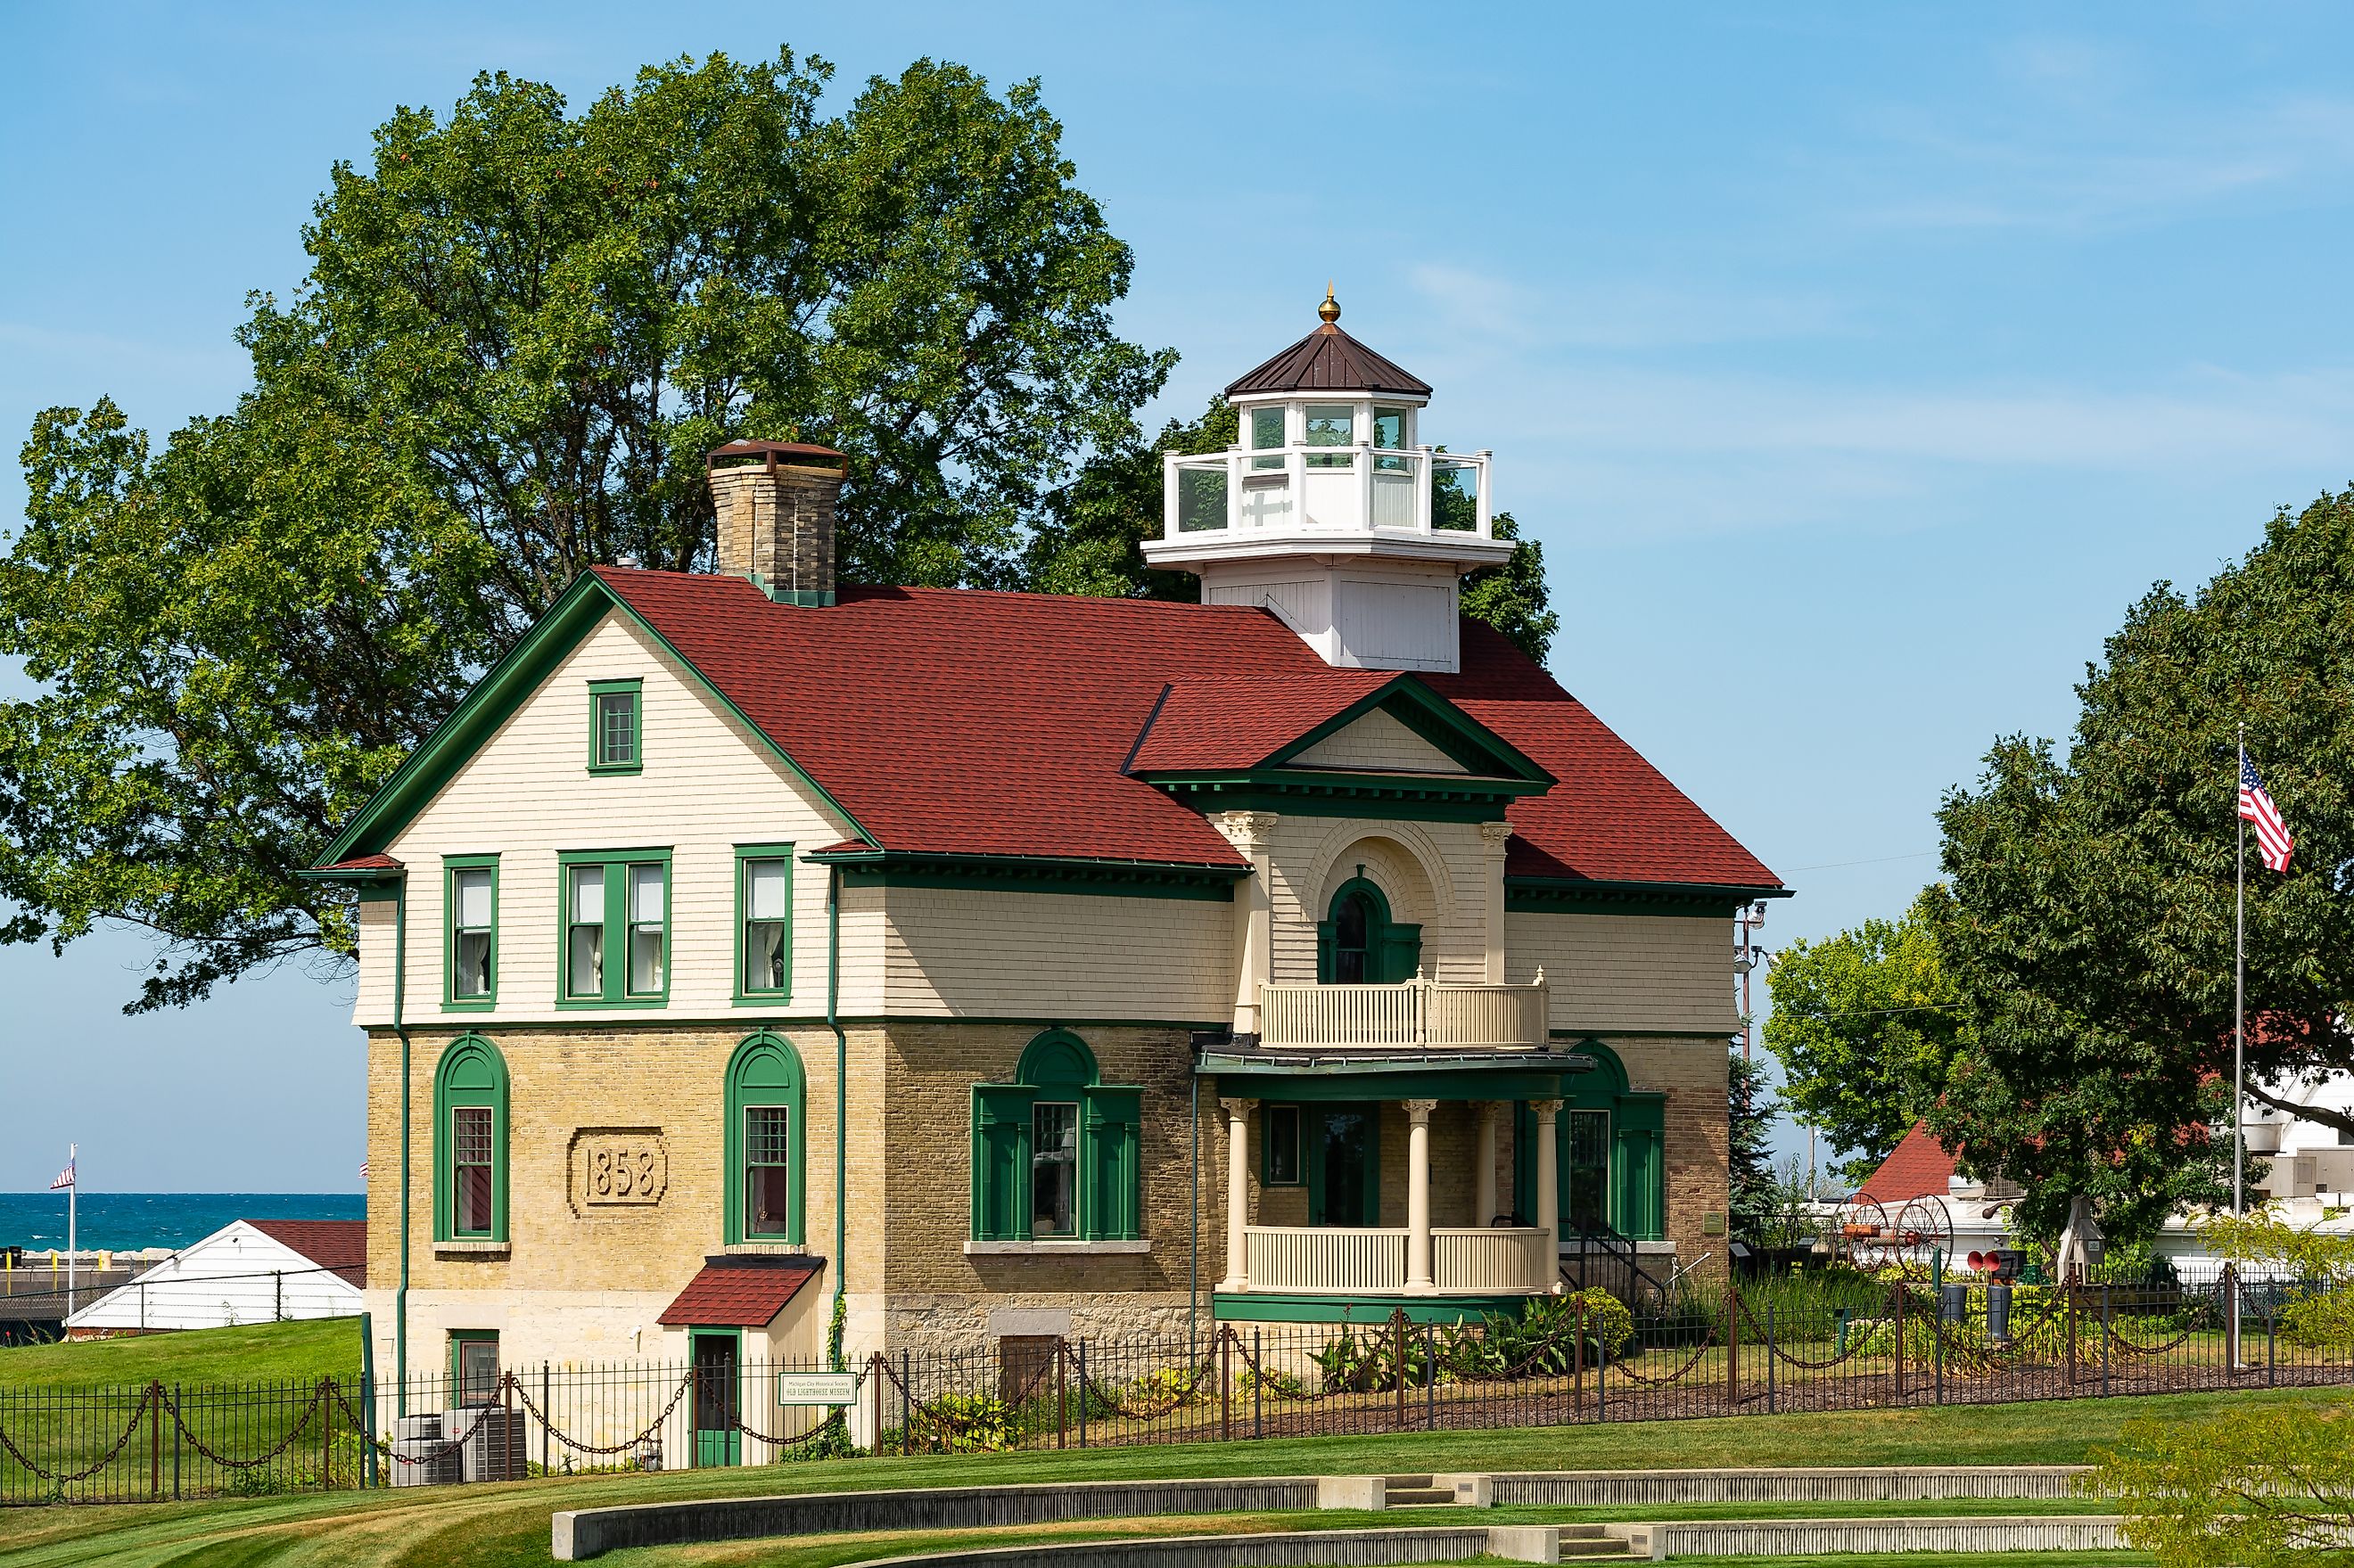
{"x": 65, "y": 1178}
{"x": 2272, "y": 834}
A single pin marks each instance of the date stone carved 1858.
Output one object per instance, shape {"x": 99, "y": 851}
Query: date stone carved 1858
{"x": 618, "y": 1167}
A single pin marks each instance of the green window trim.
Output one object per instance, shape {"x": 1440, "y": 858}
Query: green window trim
{"x": 472, "y": 1077}
{"x": 611, "y": 731}
{"x": 463, "y": 1387}
{"x": 487, "y": 999}
{"x": 1268, "y": 1111}
{"x": 614, "y": 943}
{"x": 747, "y": 994}
{"x": 1057, "y": 1068}
{"x": 1634, "y": 1178}
{"x": 1392, "y": 950}
{"x": 766, "y": 1073}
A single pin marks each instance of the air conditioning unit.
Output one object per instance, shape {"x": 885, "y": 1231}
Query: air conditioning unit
{"x": 421, "y": 1457}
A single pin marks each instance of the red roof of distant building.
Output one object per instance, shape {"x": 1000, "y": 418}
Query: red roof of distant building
{"x": 1915, "y": 1168}
{"x": 967, "y": 722}
{"x": 339, "y": 1246}
{"x": 738, "y": 1293}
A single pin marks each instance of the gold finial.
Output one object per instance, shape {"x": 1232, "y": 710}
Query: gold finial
{"x": 1330, "y": 309}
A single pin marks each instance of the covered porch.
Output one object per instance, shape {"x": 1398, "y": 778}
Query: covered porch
{"x": 1379, "y": 1177}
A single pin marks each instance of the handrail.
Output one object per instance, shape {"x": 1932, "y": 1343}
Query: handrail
{"x": 1621, "y": 1249}
{"x": 1414, "y": 1014}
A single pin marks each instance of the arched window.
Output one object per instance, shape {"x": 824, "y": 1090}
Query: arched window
{"x": 1358, "y": 944}
{"x": 470, "y": 1142}
{"x": 1055, "y": 1152}
{"x": 766, "y": 1132}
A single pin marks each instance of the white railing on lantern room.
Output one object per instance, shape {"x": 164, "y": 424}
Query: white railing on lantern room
{"x": 1320, "y": 1260}
{"x": 1413, "y": 490}
{"x": 1415, "y": 1015}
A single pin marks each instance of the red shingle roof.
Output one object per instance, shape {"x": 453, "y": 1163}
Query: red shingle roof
{"x": 1238, "y": 721}
{"x": 738, "y": 1293}
{"x": 365, "y": 862}
{"x": 340, "y": 1245}
{"x": 1915, "y": 1168}
{"x": 966, "y": 721}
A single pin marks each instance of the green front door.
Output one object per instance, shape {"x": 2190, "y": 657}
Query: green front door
{"x": 1344, "y": 1170}
{"x": 718, "y": 1436}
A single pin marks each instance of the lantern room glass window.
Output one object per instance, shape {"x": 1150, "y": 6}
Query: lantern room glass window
{"x": 1330, "y": 425}
{"x": 1389, "y": 430}
{"x": 1267, "y": 434}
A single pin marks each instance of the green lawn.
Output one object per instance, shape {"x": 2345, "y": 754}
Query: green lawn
{"x": 508, "y": 1525}
{"x": 264, "y": 1351}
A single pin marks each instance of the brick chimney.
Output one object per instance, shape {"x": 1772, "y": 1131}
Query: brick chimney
{"x": 775, "y": 502}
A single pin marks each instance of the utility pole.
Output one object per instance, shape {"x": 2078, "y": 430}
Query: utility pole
{"x": 1746, "y": 958}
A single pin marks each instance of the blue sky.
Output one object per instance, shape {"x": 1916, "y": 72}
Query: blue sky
{"x": 1857, "y": 365}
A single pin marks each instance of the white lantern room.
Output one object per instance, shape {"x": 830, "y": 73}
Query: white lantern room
{"x": 1330, "y": 511}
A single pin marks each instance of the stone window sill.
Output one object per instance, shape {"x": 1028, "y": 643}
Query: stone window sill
{"x": 1054, "y": 1248}
{"x": 759, "y": 1249}
{"x": 472, "y": 1248}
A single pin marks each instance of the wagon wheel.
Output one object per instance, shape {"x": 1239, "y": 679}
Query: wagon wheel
{"x": 1863, "y": 1232}
{"x": 1927, "y": 1224}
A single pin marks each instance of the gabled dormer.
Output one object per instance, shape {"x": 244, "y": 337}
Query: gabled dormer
{"x": 1331, "y": 510}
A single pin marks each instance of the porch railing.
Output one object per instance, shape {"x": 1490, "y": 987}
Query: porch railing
{"x": 1417, "y": 1014}
{"x": 1320, "y": 1260}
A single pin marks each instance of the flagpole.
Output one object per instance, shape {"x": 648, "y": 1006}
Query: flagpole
{"x": 73, "y": 1191}
{"x": 2239, "y": 986}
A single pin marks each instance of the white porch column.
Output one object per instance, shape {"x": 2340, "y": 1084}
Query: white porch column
{"x": 1237, "y": 1194}
{"x": 1543, "y": 1114}
{"x": 1417, "y": 1194}
{"x": 1489, "y": 1111}
{"x": 1251, "y": 833}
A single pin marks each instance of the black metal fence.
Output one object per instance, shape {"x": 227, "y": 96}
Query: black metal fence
{"x": 1768, "y": 1347}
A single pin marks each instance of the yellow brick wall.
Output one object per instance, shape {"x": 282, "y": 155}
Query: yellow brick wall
{"x": 1692, "y": 1072}
{"x": 1628, "y": 971}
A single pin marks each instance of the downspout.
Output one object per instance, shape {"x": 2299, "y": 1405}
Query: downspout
{"x": 841, "y": 1076}
{"x": 400, "y": 995}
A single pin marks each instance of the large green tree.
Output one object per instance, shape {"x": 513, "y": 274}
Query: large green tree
{"x": 521, "y": 329}
{"x": 2090, "y": 932}
{"x": 1862, "y": 1024}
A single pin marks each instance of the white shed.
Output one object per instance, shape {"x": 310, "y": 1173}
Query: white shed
{"x": 248, "y": 1271}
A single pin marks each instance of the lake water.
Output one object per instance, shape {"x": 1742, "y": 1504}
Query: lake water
{"x": 121, "y": 1221}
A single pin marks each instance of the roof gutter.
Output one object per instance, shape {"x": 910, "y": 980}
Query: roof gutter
{"x": 841, "y": 1093}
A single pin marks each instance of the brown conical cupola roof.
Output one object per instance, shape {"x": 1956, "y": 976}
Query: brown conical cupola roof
{"x": 1329, "y": 360}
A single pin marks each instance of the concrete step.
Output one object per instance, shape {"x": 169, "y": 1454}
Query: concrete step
{"x": 1595, "y": 1549}
{"x": 1419, "y": 1497}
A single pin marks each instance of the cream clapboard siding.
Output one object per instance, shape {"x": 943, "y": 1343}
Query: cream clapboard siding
{"x": 1628, "y": 971}
{"x": 707, "y": 785}
{"x": 1377, "y": 740}
{"x": 976, "y": 953}
{"x": 1433, "y": 874}
{"x": 372, "y": 997}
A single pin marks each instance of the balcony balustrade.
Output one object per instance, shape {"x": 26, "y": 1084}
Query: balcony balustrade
{"x": 1416, "y": 1015}
{"x": 1310, "y": 489}
{"x": 1334, "y": 1261}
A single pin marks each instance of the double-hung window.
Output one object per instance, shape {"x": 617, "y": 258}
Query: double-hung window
{"x": 766, "y": 1135}
{"x": 616, "y": 727}
{"x": 470, "y": 1139}
{"x": 1278, "y": 1131}
{"x": 471, "y": 897}
{"x": 764, "y": 905}
{"x": 1054, "y": 1168}
{"x": 616, "y": 926}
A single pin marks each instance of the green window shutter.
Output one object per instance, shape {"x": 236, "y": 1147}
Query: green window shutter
{"x": 1323, "y": 952}
{"x": 1639, "y": 1204}
{"x": 1110, "y": 1200}
{"x": 1401, "y": 952}
{"x": 1001, "y": 1161}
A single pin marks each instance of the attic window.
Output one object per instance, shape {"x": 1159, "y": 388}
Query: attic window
{"x": 615, "y": 726}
